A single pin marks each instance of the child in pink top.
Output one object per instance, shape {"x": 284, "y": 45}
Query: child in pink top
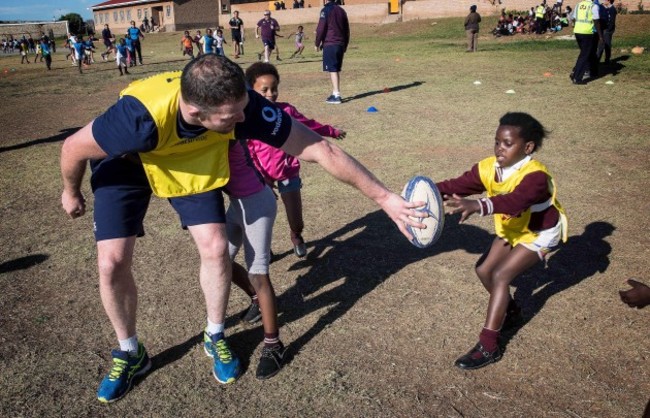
{"x": 249, "y": 224}
{"x": 274, "y": 164}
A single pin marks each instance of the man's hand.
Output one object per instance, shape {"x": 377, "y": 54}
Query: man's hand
{"x": 74, "y": 204}
{"x": 403, "y": 213}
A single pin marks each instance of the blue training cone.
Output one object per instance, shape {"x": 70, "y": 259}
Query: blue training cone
{"x": 372, "y": 109}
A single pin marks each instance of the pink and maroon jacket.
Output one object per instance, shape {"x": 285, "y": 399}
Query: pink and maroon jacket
{"x": 277, "y": 165}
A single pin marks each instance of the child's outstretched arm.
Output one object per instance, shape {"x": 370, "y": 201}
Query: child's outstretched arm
{"x": 636, "y": 297}
{"x": 457, "y": 204}
{"x": 314, "y": 125}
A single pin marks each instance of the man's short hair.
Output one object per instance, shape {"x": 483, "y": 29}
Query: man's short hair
{"x": 211, "y": 81}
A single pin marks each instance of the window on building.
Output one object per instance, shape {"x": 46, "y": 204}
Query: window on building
{"x": 128, "y": 15}
{"x": 106, "y": 17}
{"x": 169, "y": 11}
{"x": 97, "y": 18}
{"x": 139, "y": 14}
{"x": 146, "y": 13}
{"x": 121, "y": 15}
{"x": 115, "y": 17}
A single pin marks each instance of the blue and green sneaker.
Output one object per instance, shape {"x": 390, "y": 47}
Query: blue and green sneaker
{"x": 226, "y": 363}
{"x": 125, "y": 368}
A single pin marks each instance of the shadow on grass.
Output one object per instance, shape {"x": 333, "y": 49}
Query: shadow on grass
{"x": 22, "y": 263}
{"x": 392, "y": 89}
{"x": 613, "y": 68}
{"x": 63, "y": 134}
{"x": 174, "y": 353}
{"x": 350, "y": 263}
{"x": 579, "y": 258}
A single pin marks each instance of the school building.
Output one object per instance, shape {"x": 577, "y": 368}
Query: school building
{"x": 177, "y": 15}
{"x": 167, "y": 15}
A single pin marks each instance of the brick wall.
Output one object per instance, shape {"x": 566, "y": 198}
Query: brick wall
{"x": 17, "y": 30}
{"x": 190, "y": 14}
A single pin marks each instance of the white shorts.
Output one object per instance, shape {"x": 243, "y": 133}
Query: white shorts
{"x": 120, "y": 60}
{"x": 546, "y": 240}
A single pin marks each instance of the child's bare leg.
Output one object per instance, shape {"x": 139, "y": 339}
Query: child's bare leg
{"x": 486, "y": 265}
{"x": 497, "y": 270}
{"x": 266, "y": 297}
{"x": 519, "y": 260}
{"x": 240, "y": 279}
{"x": 293, "y": 206}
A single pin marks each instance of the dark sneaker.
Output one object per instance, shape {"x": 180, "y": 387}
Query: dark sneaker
{"x": 299, "y": 247}
{"x": 300, "y": 250}
{"x": 226, "y": 363}
{"x": 252, "y": 314}
{"x": 333, "y": 99}
{"x": 119, "y": 379}
{"x": 478, "y": 357}
{"x": 271, "y": 361}
{"x": 259, "y": 57}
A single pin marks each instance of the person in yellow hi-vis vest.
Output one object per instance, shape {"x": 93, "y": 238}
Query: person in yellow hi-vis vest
{"x": 588, "y": 34}
{"x": 528, "y": 219}
{"x": 169, "y": 134}
{"x": 540, "y": 18}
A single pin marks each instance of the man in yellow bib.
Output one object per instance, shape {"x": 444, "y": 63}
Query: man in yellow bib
{"x": 169, "y": 134}
{"x": 588, "y": 34}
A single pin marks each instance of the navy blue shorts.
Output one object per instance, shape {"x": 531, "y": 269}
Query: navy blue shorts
{"x": 122, "y": 195}
{"x": 332, "y": 58}
{"x": 270, "y": 44}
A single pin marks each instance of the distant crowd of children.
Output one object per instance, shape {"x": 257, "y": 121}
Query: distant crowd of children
{"x": 538, "y": 20}
{"x": 209, "y": 43}
{"x": 41, "y": 48}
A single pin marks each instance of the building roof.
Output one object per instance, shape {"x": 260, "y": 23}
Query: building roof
{"x": 118, "y": 3}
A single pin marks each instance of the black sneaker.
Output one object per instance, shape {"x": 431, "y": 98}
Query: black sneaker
{"x": 300, "y": 250}
{"x": 333, "y": 99}
{"x": 252, "y": 314}
{"x": 271, "y": 361}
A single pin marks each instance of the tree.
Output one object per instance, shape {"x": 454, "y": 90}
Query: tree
{"x": 75, "y": 23}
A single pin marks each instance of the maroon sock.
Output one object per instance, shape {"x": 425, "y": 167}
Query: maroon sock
{"x": 271, "y": 339}
{"x": 488, "y": 339}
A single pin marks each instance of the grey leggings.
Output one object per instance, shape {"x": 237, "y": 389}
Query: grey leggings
{"x": 249, "y": 221}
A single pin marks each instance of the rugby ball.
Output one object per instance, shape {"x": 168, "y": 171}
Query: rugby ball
{"x": 423, "y": 189}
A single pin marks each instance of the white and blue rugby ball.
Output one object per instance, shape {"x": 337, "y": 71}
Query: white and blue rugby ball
{"x": 422, "y": 189}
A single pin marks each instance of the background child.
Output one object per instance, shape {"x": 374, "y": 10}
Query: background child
{"x": 206, "y": 44}
{"x": 219, "y": 42}
{"x": 24, "y": 48}
{"x": 79, "y": 52}
{"x": 529, "y": 221}
{"x": 121, "y": 52}
{"x": 299, "y": 37}
{"x": 46, "y": 52}
{"x": 274, "y": 164}
{"x": 187, "y": 45}
{"x": 130, "y": 51}
{"x": 197, "y": 41}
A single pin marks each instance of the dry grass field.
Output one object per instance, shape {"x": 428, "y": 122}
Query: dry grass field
{"x": 373, "y": 324}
